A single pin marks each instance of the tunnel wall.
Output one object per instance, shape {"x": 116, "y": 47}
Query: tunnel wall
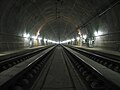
{"x": 109, "y": 26}
{"x": 11, "y": 42}
{"x": 11, "y": 30}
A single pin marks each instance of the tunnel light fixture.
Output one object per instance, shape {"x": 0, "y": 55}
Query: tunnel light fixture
{"x": 45, "y": 39}
{"x": 49, "y": 40}
{"x": 73, "y": 39}
{"x": 34, "y": 37}
{"x": 66, "y": 41}
{"x": 78, "y": 38}
{"x": 39, "y": 38}
{"x": 97, "y": 33}
{"x": 54, "y": 42}
{"x": 63, "y": 42}
{"x": 79, "y": 33}
{"x": 84, "y": 36}
{"x": 26, "y": 35}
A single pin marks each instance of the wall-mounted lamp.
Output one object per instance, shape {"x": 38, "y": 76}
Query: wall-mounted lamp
{"x": 26, "y": 35}
{"x": 97, "y": 33}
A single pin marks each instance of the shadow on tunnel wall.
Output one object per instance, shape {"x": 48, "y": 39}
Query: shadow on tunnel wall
{"x": 10, "y": 42}
{"x": 109, "y": 26}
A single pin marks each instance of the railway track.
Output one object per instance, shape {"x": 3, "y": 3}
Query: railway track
{"x": 22, "y": 75}
{"x": 59, "y": 67}
{"x": 8, "y": 63}
{"x": 95, "y": 76}
{"x": 20, "y": 52}
{"x": 59, "y": 74}
{"x": 111, "y": 63}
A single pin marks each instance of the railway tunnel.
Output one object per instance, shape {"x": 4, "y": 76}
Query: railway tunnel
{"x": 59, "y": 45}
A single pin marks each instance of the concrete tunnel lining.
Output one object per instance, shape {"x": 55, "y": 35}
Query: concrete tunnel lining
{"x": 27, "y": 16}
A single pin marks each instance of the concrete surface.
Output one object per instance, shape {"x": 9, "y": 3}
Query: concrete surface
{"x": 56, "y": 75}
{"x": 16, "y": 51}
{"x": 117, "y": 53}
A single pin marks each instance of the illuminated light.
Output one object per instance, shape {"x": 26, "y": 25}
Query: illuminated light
{"x": 78, "y": 38}
{"x": 26, "y": 35}
{"x": 55, "y": 42}
{"x": 34, "y": 37}
{"x": 73, "y": 39}
{"x": 51, "y": 41}
{"x": 39, "y": 38}
{"x": 67, "y": 40}
{"x": 79, "y": 33}
{"x": 84, "y": 36}
{"x": 63, "y": 42}
{"x": 99, "y": 33}
{"x": 45, "y": 40}
{"x": 96, "y": 33}
{"x": 26, "y": 39}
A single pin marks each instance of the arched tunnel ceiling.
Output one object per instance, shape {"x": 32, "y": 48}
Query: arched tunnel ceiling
{"x": 55, "y": 19}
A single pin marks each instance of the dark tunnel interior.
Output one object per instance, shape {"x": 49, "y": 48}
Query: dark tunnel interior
{"x": 29, "y": 23}
{"x": 59, "y": 44}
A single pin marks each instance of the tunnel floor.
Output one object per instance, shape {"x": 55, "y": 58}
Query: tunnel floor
{"x": 58, "y": 74}
{"x": 117, "y": 53}
{"x": 59, "y": 67}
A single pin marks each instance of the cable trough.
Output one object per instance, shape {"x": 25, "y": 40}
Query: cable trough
{"x": 94, "y": 75}
{"x": 111, "y": 63}
{"x": 22, "y": 75}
